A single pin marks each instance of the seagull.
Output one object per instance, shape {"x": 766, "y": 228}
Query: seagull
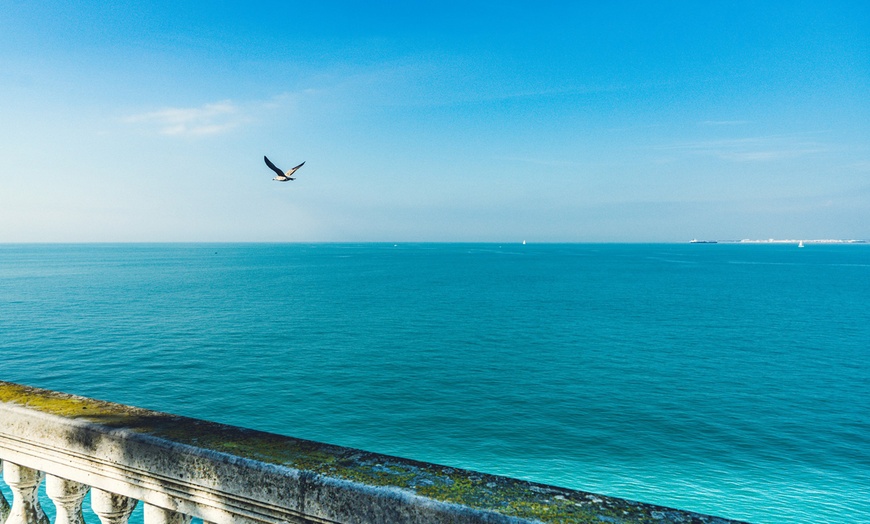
{"x": 282, "y": 176}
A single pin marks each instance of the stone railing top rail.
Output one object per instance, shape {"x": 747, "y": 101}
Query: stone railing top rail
{"x": 226, "y": 474}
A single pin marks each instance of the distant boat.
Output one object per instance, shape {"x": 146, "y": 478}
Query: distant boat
{"x": 696, "y": 241}
{"x": 524, "y": 242}
{"x": 801, "y": 243}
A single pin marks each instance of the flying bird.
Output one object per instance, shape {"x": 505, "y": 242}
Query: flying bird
{"x": 282, "y": 176}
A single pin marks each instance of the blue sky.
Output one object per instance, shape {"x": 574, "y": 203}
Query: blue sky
{"x": 447, "y": 121}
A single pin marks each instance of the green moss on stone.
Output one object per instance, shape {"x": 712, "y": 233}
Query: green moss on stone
{"x": 476, "y": 490}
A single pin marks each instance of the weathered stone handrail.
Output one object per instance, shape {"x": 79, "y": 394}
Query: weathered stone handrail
{"x": 181, "y": 468}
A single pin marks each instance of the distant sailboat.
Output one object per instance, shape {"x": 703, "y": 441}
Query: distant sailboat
{"x": 524, "y": 242}
{"x": 801, "y": 243}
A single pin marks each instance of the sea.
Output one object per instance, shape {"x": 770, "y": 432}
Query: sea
{"x": 727, "y": 379}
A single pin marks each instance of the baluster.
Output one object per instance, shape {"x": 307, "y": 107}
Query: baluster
{"x": 4, "y": 506}
{"x": 23, "y": 483}
{"x": 110, "y": 507}
{"x": 157, "y": 515}
{"x": 67, "y": 496}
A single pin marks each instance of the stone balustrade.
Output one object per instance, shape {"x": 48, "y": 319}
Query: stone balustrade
{"x": 179, "y": 468}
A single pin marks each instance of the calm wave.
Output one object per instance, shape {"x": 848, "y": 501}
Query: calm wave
{"x": 725, "y": 379}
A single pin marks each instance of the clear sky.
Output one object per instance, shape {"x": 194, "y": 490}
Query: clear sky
{"x": 436, "y": 121}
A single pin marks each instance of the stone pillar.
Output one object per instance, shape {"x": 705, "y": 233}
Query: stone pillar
{"x": 157, "y": 515}
{"x": 23, "y": 483}
{"x": 4, "y": 506}
{"x": 110, "y": 507}
{"x": 67, "y": 496}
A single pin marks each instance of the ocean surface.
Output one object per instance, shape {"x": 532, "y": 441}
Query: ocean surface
{"x": 722, "y": 378}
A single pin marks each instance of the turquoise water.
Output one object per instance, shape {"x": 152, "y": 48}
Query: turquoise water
{"x": 721, "y": 378}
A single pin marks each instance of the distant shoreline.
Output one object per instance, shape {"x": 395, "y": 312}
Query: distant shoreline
{"x": 780, "y": 241}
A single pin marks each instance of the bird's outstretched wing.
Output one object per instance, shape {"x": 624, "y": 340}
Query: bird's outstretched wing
{"x": 290, "y": 173}
{"x": 272, "y": 166}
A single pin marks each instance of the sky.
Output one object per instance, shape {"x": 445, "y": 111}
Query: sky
{"x": 434, "y": 121}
